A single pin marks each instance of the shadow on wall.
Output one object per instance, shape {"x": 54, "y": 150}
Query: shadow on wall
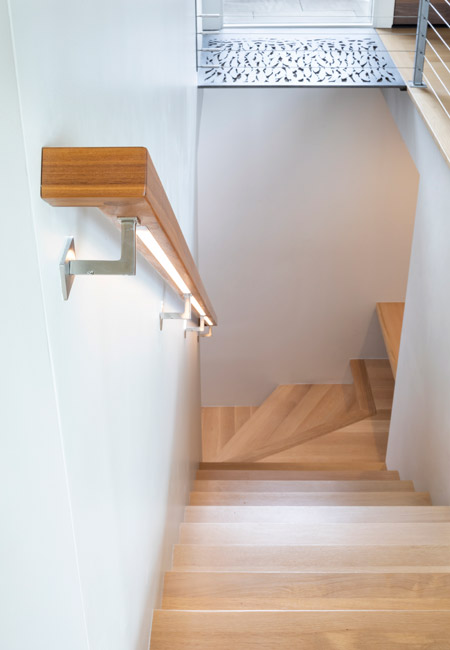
{"x": 185, "y": 423}
{"x": 373, "y": 333}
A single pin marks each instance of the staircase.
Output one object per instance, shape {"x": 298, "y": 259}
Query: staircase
{"x": 311, "y": 550}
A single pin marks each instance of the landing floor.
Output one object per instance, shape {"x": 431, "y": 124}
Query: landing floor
{"x": 296, "y": 57}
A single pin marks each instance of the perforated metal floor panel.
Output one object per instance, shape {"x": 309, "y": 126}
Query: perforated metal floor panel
{"x": 311, "y": 59}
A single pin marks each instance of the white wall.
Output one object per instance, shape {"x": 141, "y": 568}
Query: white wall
{"x": 100, "y": 410}
{"x": 306, "y": 208}
{"x": 419, "y": 439}
{"x": 40, "y": 599}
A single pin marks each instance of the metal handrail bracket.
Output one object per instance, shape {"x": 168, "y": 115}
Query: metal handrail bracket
{"x": 69, "y": 266}
{"x": 185, "y": 315}
{"x": 200, "y": 331}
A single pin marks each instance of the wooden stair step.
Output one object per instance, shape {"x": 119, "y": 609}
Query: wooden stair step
{"x": 334, "y": 558}
{"x": 219, "y": 424}
{"x": 275, "y": 408}
{"x": 306, "y": 591}
{"x": 296, "y": 413}
{"x": 378, "y": 369}
{"x": 295, "y": 475}
{"x": 305, "y": 466}
{"x": 316, "y": 514}
{"x": 290, "y": 630}
{"x": 320, "y": 534}
{"x": 360, "y": 446}
{"x": 311, "y": 498}
{"x": 302, "y": 486}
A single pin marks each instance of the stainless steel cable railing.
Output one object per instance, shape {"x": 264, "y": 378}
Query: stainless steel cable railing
{"x": 432, "y": 56}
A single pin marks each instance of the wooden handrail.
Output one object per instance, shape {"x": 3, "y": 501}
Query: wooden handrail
{"x": 123, "y": 182}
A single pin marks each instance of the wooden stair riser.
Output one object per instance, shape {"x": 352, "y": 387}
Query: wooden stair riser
{"x": 298, "y": 466}
{"x": 290, "y": 475}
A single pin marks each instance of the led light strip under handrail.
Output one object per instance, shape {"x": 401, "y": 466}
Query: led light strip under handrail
{"x": 122, "y": 182}
{"x": 155, "y": 249}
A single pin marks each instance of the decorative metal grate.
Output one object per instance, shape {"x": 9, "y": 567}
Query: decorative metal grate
{"x": 296, "y": 61}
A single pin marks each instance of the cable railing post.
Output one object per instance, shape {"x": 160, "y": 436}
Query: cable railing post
{"x": 421, "y": 43}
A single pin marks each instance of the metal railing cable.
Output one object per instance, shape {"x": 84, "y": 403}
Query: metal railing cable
{"x": 439, "y": 36}
{"x": 438, "y": 55}
{"x": 437, "y": 75}
{"x": 439, "y": 14}
{"x": 429, "y": 85}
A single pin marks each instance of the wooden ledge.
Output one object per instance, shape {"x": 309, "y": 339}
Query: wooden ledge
{"x": 122, "y": 182}
{"x": 400, "y": 43}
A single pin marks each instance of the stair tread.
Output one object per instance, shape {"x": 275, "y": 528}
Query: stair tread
{"x": 314, "y": 514}
{"x": 304, "y": 591}
{"x": 320, "y": 534}
{"x": 288, "y": 630}
{"x": 358, "y": 445}
{"x": 301, "y": 486}
{"x": 350, "y": 557}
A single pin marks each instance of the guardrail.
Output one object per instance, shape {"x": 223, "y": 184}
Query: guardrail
{"x": 432, "y": 57}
